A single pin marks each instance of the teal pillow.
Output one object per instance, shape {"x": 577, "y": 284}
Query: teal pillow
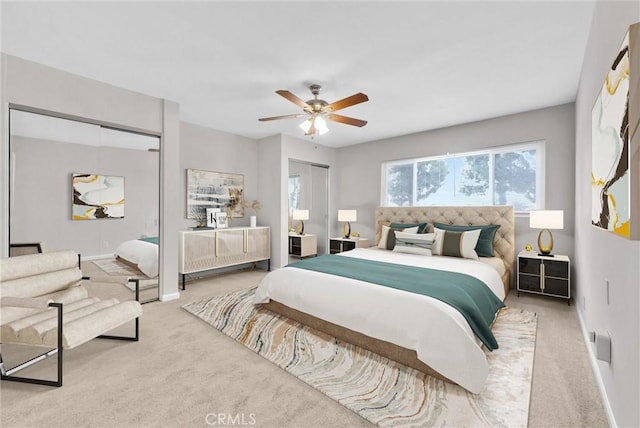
{"x": 484, "y": 247}
{"x": 421, "y": 226}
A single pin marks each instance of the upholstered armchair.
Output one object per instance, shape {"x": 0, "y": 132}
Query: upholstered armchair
{"x": 44, "y": 303}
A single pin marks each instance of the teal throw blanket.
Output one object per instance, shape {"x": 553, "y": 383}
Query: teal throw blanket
{"x": 152, "y": 239}
{"x": 470, "y": 296}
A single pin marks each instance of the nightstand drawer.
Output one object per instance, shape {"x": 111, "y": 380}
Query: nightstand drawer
{"x": 556, "y": 269}
{"x": 557, "y": 287}
{"x": 528, "y": 282}
{"x": 527, "y": 265}
{"x": 338, "y": 245}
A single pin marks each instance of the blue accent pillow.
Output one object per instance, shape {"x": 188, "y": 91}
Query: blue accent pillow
{"x": 421, "y": 226}
{"x": 484, "y": 247}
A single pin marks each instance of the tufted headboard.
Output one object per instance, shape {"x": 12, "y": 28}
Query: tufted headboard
{"x": 503, "y": 243}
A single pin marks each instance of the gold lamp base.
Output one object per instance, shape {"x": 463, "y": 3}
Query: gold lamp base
{"x": 300, "y": 228}
{"x": 346, "y": 229}
{"x": 545, "y": 250}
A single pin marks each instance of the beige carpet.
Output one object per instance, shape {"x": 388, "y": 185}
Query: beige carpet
{"x": 380, "y": 390}
{"x": 182, "y": 375}
{"x": 121, "y": 272}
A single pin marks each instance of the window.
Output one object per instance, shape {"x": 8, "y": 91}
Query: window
{"x": 507, "y": 175}
{"x": 294, "y": 192}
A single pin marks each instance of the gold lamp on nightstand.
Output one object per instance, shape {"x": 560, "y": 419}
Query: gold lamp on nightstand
{"x": 545, "y": 220}
{"x": 300, "y": 215}
{"x": 347, "y": 216}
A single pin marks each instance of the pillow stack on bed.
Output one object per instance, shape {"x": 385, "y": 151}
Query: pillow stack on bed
{"x": 468, "y": 242}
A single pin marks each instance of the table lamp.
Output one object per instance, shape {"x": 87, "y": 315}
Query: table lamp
{"x": 347, "y": 216}
{"x": 300, "y": 215}
{"x": 545, "y": 220}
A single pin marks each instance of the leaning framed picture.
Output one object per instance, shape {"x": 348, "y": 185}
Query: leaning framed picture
{"x": 96, "y": 196}
{"x": 210, "y": 189}
{"x": 221, "y": 220}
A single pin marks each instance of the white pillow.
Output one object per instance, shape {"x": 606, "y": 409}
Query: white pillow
{"x": 384, "y": 235}
{"x": 414, "y": 243}
{"x": 456, "y": 244}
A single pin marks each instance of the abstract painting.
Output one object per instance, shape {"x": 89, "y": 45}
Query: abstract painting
{"x": 610, "y": 176}
{"x": 97, "y": 196}
{"x": 207, "y": 189}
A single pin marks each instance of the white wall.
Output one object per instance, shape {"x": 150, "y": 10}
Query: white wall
{"x": 25, "y": 83}
{"x": 600, "y": 255}
{"x": 359, "y": 168}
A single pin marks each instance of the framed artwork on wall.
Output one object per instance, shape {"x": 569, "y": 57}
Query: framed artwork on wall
{"x": 208, "y": 189}
{"x": 615, "y": 158}
{"x": 96, "y": 196}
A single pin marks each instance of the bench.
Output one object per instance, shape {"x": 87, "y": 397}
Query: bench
{"x": 44, "y": 303}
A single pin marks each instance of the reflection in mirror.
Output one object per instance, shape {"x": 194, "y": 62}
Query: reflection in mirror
{"x": 90, "y": 189}
{"x": 309, "y": 190}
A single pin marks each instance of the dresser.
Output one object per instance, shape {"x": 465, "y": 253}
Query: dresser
{"x": 202, "y": 250}
{"x": 303, "y": 245}
{"x": 544, "y": 275}
{"x": 338, "y": 245}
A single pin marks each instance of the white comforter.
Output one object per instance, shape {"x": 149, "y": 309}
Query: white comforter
{"x": 437, "y": 332}
{"x": 140, "y": 253}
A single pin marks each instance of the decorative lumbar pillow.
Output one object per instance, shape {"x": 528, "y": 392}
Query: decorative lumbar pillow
{"x": 388, "y": 238}
{"x": 422, "y": 227}
{"x": 484, "y": 247}
{"x": 455, "y": 243}
{"x": 414, "y": 243}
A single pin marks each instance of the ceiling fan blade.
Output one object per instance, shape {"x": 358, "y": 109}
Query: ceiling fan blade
{"x": 346, "y": 120}
{"x": 297, "y": 101}
{"x": 346, "y": 102}
{"x": 286, "y": 116}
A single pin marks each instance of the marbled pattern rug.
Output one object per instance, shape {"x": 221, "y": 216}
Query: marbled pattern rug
{"x": 380, "y": 390}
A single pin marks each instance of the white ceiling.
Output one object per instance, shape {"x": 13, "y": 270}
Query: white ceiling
{"x": 424, "y": 65}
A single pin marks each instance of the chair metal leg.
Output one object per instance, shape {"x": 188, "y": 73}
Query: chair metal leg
{"x": 8, "y": 374}
{"x": 136, "y": 337}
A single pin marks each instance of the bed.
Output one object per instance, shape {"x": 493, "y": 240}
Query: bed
{"x": 415, "y": 330}
{"x": 140, "y": 253}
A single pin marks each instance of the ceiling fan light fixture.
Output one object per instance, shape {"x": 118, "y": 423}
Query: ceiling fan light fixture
{"x": 319, "y": 123}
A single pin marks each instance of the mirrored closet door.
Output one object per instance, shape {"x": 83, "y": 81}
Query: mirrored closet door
{"x": 87, "y": 188}
{"x": 309, "y": 191}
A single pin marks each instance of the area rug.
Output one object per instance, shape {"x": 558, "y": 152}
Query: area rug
{"x": 382, "y": 391}
{"x": 122, "y": 272}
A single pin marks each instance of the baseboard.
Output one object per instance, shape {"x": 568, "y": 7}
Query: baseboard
{"x": 169, "y": 297}
{"x": 596, "y": 370}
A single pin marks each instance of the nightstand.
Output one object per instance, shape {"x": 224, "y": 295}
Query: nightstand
{"x": 338, "y": 245}
{"x": 303, "y": 245}
{"x": 545, "y": 275}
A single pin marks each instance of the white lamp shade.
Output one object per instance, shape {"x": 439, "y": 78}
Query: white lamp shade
{"x": 300, "y": 214}
{"x": 546, "y": 219}
{"x": 347, "y": 215}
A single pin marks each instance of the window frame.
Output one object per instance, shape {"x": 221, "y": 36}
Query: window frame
{"x": 538, "y": 145}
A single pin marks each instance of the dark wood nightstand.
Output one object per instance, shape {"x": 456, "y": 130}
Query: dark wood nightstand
{"x": 545, "y": 275}
{"x": 338, "y": 245}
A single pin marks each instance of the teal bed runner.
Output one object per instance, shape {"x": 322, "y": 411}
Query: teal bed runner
{"x": 470, "y": 296}
{"x": 151, "y": 239}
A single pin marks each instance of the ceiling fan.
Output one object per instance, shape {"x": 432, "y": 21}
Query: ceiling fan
{"x": 316, "y": 110}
